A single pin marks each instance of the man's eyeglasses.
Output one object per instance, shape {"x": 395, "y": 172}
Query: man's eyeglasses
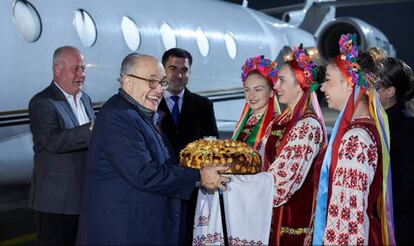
{"x": 153, "y": 83}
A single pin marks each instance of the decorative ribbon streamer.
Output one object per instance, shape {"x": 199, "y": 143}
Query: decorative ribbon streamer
{"x": 385, "y": 200}
{"x": 322, "y": 196}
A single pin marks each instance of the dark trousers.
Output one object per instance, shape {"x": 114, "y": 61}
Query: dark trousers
{"x": 188, "y": 209}
{"x": 56, "y": 229}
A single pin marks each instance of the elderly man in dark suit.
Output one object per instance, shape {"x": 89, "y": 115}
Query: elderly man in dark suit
{"x": 61, "y": 119}
{"x": 132, "y": 189}
{"x": 186, "y": 117}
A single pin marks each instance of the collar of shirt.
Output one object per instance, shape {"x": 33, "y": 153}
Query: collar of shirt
{"x": 76, "y": 105}
{"x": 170, "y": 102}
{"x": 70, "y": 97}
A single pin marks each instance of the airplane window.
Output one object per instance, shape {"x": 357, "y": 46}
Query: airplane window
{"x": 85, "y": 27}
{"x": 230, "y": 45}
{"x": 131, "y": 33}
{"x": 202, "y": 42}
{"x": 168, "y": 36}
{"x": 27, "y": 20}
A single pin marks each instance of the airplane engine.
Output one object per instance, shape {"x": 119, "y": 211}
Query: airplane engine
{"x": 294, "y": 17}
{"x": 368, "y": 36}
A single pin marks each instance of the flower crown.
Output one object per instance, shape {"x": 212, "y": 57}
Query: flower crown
{"x": 308, "y": 67}
{"x": 264, "y": 66}
{"x": 349, "y": 55}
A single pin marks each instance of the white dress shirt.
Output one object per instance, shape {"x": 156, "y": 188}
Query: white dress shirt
{"x": 170, "y": 102}
{"x": 77, "y": 106}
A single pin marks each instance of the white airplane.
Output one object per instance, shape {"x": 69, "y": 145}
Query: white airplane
{"x": 219, "y": 35}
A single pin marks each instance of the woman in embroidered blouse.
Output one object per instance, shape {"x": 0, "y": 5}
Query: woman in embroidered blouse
{"x": 351, "y": 181}
{"x": 292, "y": 146}
{"x": 258, "y": 76}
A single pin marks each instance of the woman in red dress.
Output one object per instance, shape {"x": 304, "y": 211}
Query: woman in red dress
{"x": 293, "y": 145}
{"x": 353, "y": 205}
{"x": 258, "y": 75}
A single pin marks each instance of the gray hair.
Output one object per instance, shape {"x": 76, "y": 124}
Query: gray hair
{"x": 129, "y": 63}
{"x": 59, "y": 52}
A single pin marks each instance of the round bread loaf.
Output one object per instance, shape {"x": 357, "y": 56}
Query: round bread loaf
{"x": 241, "y": 158}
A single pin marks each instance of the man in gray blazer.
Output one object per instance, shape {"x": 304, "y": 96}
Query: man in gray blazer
{"x": 61, "y": 120}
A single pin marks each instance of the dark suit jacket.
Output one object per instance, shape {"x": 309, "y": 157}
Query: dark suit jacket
{"x": 402, "y": 167}
{"x": 60, "y": 146}
{"x": 132, "y": 193}
{"x": 196, "y": 121}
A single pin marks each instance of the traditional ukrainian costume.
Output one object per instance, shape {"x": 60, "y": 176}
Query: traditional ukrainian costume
{"x": 354, "y": 205}
{"x": 293, "y": 146}
{"x": 250, "y": 128}
{"x": 248, "y": 200}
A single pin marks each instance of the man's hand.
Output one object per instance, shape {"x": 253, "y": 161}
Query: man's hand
{"x": 211, "y": 178}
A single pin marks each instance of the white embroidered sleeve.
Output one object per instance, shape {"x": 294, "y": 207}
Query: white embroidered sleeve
{"x": 295, "y": 159}
{"x": 347, "y": 221}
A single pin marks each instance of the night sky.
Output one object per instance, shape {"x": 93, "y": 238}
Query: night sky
{"x": 395, "y": 20}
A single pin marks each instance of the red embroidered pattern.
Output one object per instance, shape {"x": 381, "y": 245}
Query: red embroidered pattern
{"x": 351, "y": 147}
{"x": 218, "y": 238}
{"x": 360, "y": 241}
{"x": 333, "y": 210}
{"x": 208, "y": 239}
{"x": 353, "y": 227}
{"x": 330, "y": 235}
{"x": 372, "y": 155}
{"x": 318, "y": 138}
{"x": 294, "y": 167}
{"x": 343, "y": 239}
{"x": 345, "y": 213}
{"x": 360, "y": 217}
{"x": 203, "y": 220}
{"x": 303, "y": 130}
{"x": 351, "y": 178}
{"x": 282, "y": 173}
{"x": 295, "y": 159}
{"x": 347, "y": 218}
{"x": 353, "y": 201}
{"x": 299, "y": 178}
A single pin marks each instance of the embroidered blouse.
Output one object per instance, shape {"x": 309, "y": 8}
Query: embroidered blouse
{"x": 292, "y": 164}
{"x": 348, "y": 222}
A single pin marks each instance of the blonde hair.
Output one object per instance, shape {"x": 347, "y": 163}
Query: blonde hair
{"x": 377, "y": 54}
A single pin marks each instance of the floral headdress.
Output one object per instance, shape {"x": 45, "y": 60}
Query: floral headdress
{"x": 268, "y": 69}
{"x": 361, "y": 82}
{"x": 264, "y": 66}
{"x": 305, "y": 69}
{"x": 347, "y": 61}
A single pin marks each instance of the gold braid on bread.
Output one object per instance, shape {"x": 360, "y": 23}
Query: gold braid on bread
{"x": 241, "y": 158}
